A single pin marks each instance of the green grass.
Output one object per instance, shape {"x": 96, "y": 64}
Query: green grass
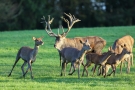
{"x": 47, "y": 69}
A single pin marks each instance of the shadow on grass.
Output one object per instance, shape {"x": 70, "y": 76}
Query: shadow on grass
{"x": 74, "y": 79}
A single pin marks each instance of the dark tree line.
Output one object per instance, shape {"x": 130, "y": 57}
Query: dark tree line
{"x": 26, "y": 14}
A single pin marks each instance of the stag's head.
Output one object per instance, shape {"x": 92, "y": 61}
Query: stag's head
{"x": 60, "y": 38}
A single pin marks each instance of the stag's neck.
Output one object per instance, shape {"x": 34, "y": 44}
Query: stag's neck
{"x": 69, "y": 43}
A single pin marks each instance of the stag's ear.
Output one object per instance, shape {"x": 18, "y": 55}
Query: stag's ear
{"x": 34, "y": 38}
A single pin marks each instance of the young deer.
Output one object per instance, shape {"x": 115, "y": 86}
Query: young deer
{"x": 114, "y": 60}
{"x": 96, "y": 59}
{"x": 74, "y": 56}
{"x": 28, "y": 55}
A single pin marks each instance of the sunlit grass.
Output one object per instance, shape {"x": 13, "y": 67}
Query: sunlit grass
{"x": 47, "y": 68}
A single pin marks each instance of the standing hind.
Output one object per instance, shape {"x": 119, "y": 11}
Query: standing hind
{"x": 28, "y": 55}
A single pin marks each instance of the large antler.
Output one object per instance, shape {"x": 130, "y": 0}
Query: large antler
{"x": 69, "y": 23}
{"x": 49, "y": 32}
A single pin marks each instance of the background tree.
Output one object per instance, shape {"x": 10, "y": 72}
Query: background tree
{"x": 26, "y": 14}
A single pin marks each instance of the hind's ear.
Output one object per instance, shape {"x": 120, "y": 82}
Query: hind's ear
{"x": 33, "y": 38}
{"x": 123, "y": 45}
{"x": 87, "y": 41}
{"x": 81, "y": 41}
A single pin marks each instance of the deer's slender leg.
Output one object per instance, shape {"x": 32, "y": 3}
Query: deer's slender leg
{"x": 121, "y": 67}
{"x": 94, "y": 69}
{"x": 87, "y": 69}
{"x": 29, "y": 67}
{"x": 70, "y": 69}
{"x": 73, "y": 66}
{"x": 22, "y": 67}
{"x": 128, "y": 66}
{"x": 113, "y": 70}
{"x": 17, "y": 59}
{"x": 78, "y": 70}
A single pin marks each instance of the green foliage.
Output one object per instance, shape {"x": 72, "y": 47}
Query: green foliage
{"x": 46, "y": 68}
{"x": 27, "y": 14}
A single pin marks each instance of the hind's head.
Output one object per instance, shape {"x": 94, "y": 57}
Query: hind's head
{"x": 38, "y": 41}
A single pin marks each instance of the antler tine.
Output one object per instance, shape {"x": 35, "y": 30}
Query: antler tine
{"x": 43, "y": 18}
{"x": 62, "y": 28}
{"x": 69, "y": 23}
{"x": 49, "y": 32}
{"x": 50, "y": 21}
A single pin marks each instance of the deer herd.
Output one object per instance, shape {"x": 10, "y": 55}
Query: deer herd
{"x": 73, "y": 50}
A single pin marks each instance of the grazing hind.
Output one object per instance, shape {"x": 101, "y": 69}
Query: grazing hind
{"x": 28, "y": 55}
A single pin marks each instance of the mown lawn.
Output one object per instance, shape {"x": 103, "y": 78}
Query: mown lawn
{"x": 47, "y": 69}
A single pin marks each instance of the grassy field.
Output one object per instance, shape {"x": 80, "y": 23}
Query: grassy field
{"x": 47, "y": 69}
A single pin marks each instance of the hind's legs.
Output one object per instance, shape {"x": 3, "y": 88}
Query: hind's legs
{"x": 17, "y": 59}
{"x": 22, "y": 67}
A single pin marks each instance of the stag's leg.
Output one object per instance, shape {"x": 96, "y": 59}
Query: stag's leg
{"x": 60, "y": 58}
{"x": 22, "y": 67}
{"x": 63, "y": 68}
{"x": 17, "y": 59}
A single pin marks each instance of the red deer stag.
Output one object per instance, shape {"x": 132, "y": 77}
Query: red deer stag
{"x": 97, "y": 43}
{"x": 28, "y": 55}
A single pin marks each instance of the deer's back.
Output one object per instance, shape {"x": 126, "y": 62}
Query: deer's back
{"x": 96, "y": 43}
{"x": 93, "y": 57}
{"x": 69, "y": 53}
{"x": 128, "y": 40}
